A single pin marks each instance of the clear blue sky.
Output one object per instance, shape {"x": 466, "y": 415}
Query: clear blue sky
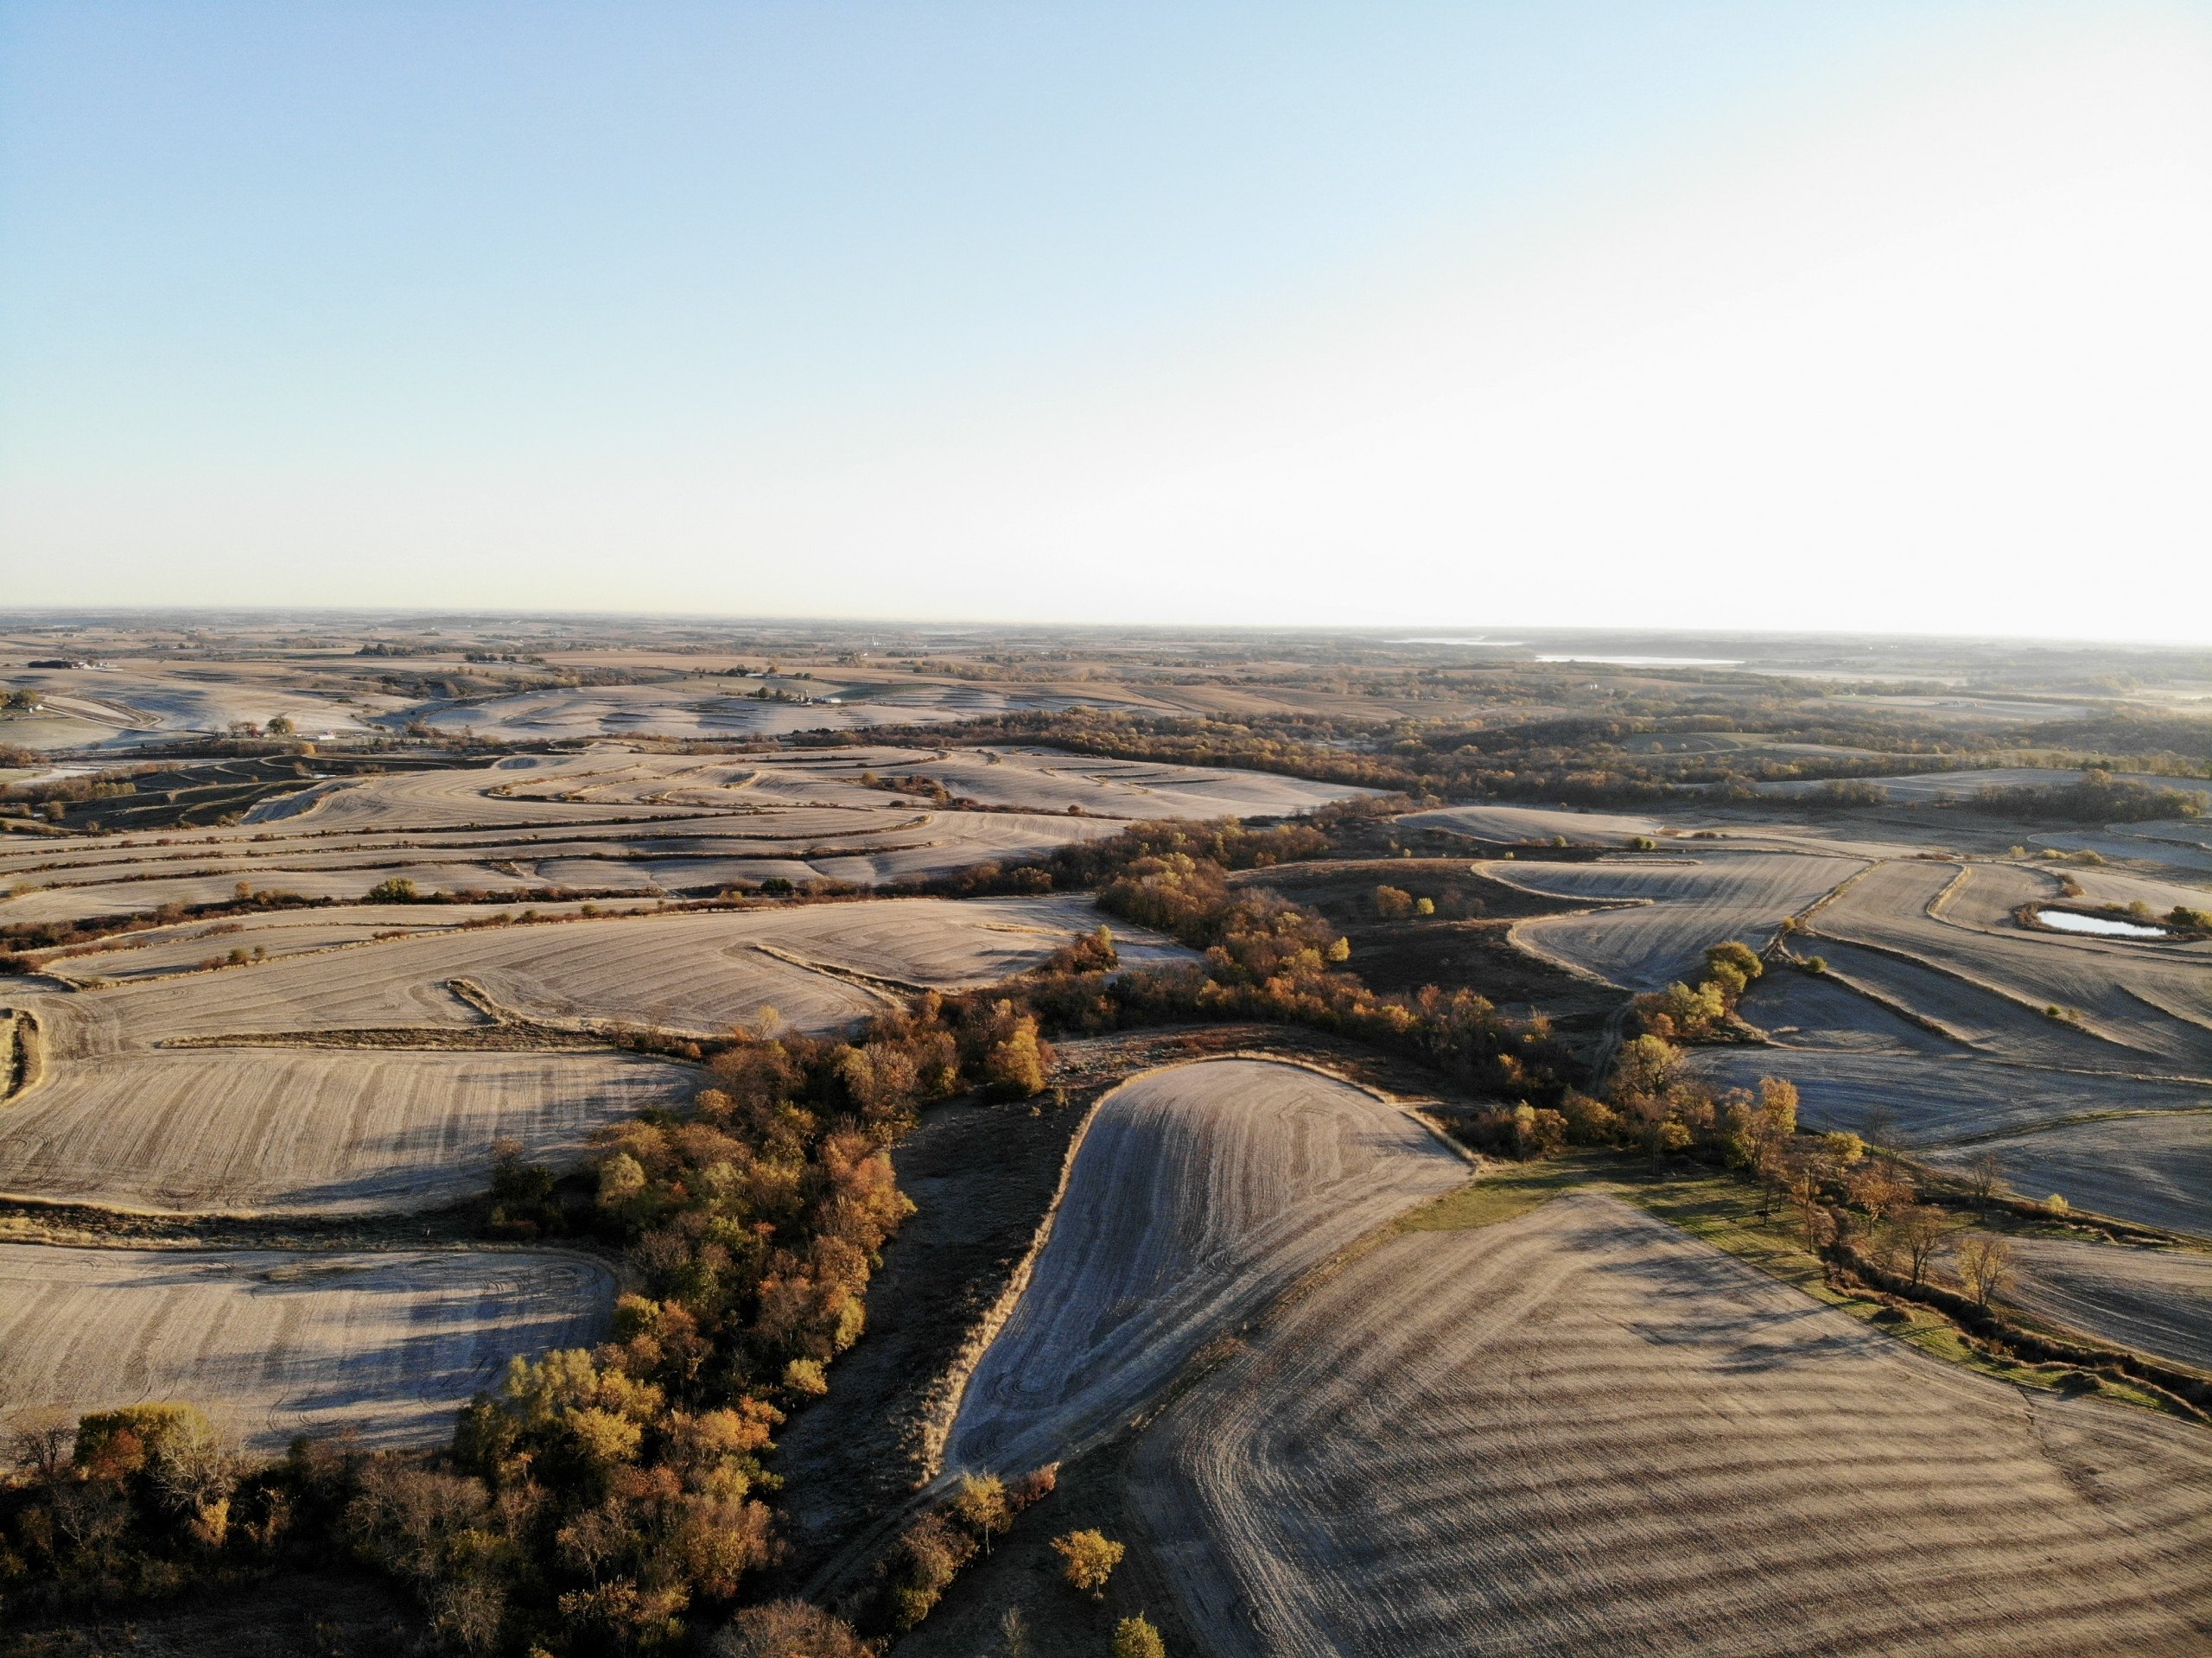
{"x": 937, "y": 310}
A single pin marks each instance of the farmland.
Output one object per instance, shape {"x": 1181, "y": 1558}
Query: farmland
{"x": 1198, "y": 1193}
{"x": 2157, "y": 1300}
{"x": 387, "y": 1345}
{"x": 1667, "y": 1452}
{"x": 262, "y": 1131}
{"x": 758, "y": 981}
{"x": 1671, "y": 911}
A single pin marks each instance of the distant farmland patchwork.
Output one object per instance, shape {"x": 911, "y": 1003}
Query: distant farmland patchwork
{"x": 1282, "y": 1329}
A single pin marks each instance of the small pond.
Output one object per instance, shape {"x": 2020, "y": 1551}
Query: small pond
{"x": 2104, "y": 926}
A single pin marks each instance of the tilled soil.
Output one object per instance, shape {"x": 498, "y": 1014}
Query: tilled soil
{"x": 1583, "y": 1432}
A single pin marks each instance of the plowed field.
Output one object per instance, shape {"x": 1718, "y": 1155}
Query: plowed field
{"x": 1584, "y": 1433}
{"x": 1199, "y": 1191}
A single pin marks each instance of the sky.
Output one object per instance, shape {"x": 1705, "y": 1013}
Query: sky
{"x": 1783, "y": 315}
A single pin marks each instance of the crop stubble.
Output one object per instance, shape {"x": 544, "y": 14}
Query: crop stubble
{"x": 1582, "y": 1432}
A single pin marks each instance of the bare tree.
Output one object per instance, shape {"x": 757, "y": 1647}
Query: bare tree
{"x": 1985, "y": 1266}
{"x": 1805, "y": 1178}
{"x": 1984, "y": 1178}
{"x": 1919, "y": 1231}
{"x": 40, "y": 1445}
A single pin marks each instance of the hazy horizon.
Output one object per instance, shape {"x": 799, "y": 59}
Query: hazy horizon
{"x": 1714, "y": 317}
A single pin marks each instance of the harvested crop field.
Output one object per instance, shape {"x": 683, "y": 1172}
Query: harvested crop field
{"x": 2155, "y": 1170}
{"x": 1680, "y": 907}
{"x": 2145, "y": 1005}
{"x": 2157, "y": 1301}
{"x": 1930, "y": 1099}
{"x": 703, "y": 971}
{"x": 380, "y": 1110}
{"x": 1582, "y": 1432}
{"x": 1512, "y": 825}
{"x": 1198, "y": 1193}
{"x": 278, "y": 1131}
{"x": 277, "y": 1344}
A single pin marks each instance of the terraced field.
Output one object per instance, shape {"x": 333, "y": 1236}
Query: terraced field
{"x": 1198, "y": 1193}
{"x": 1583, "y": 1432}
{"x": 2133, "y": 1006}
{"x": 1680, "y": 907}
{"x": 613, "y": 822}
{"x": 703, "y": 971}
{"x": 1929, "y": 787}
{"x": 277, "y": 1344}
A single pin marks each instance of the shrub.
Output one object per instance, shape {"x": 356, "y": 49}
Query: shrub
{"x": 1090, "y": 1558}
{"x": 1015, "y": 1066}
{"x": 789, "y": 1628}
{"x": 1134, "y": 1637}
{"x": 922, "y": 1566}
{"x": 393, "y": 889}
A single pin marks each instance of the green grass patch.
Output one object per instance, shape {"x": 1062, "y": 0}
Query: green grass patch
{"x": 1496, "y": 1195}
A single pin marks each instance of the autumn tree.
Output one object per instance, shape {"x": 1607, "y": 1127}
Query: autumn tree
{"x": 1089, "y": 1559}
{"x": 1136, "y": 1637}
{"x": 982, "y": 1507}
{"x": 1877, "y": 1191}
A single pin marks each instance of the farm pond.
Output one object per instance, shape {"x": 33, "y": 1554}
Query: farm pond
{"x": 2103, "y": 926}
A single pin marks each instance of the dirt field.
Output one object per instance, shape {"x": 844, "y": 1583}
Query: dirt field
{"x": 2155, "y": 1169}
{"x": 1583, "y": 1432}
{"x": 2148, "y": 1005}
{"x": 1199, "y": 1191}
{"x": 616, "y": 823}
{"x": 2155, "y": 1300}
{"x": 703, "y": 971}
{"x": 275, "y": 1131}
{"x": 1680, "y": 908}
{"x": 1505, "y": 825}
{"x": 125, "y": 1120}
{"x": 278, "y": 1344}
{"x": 1931, "y": 1100}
